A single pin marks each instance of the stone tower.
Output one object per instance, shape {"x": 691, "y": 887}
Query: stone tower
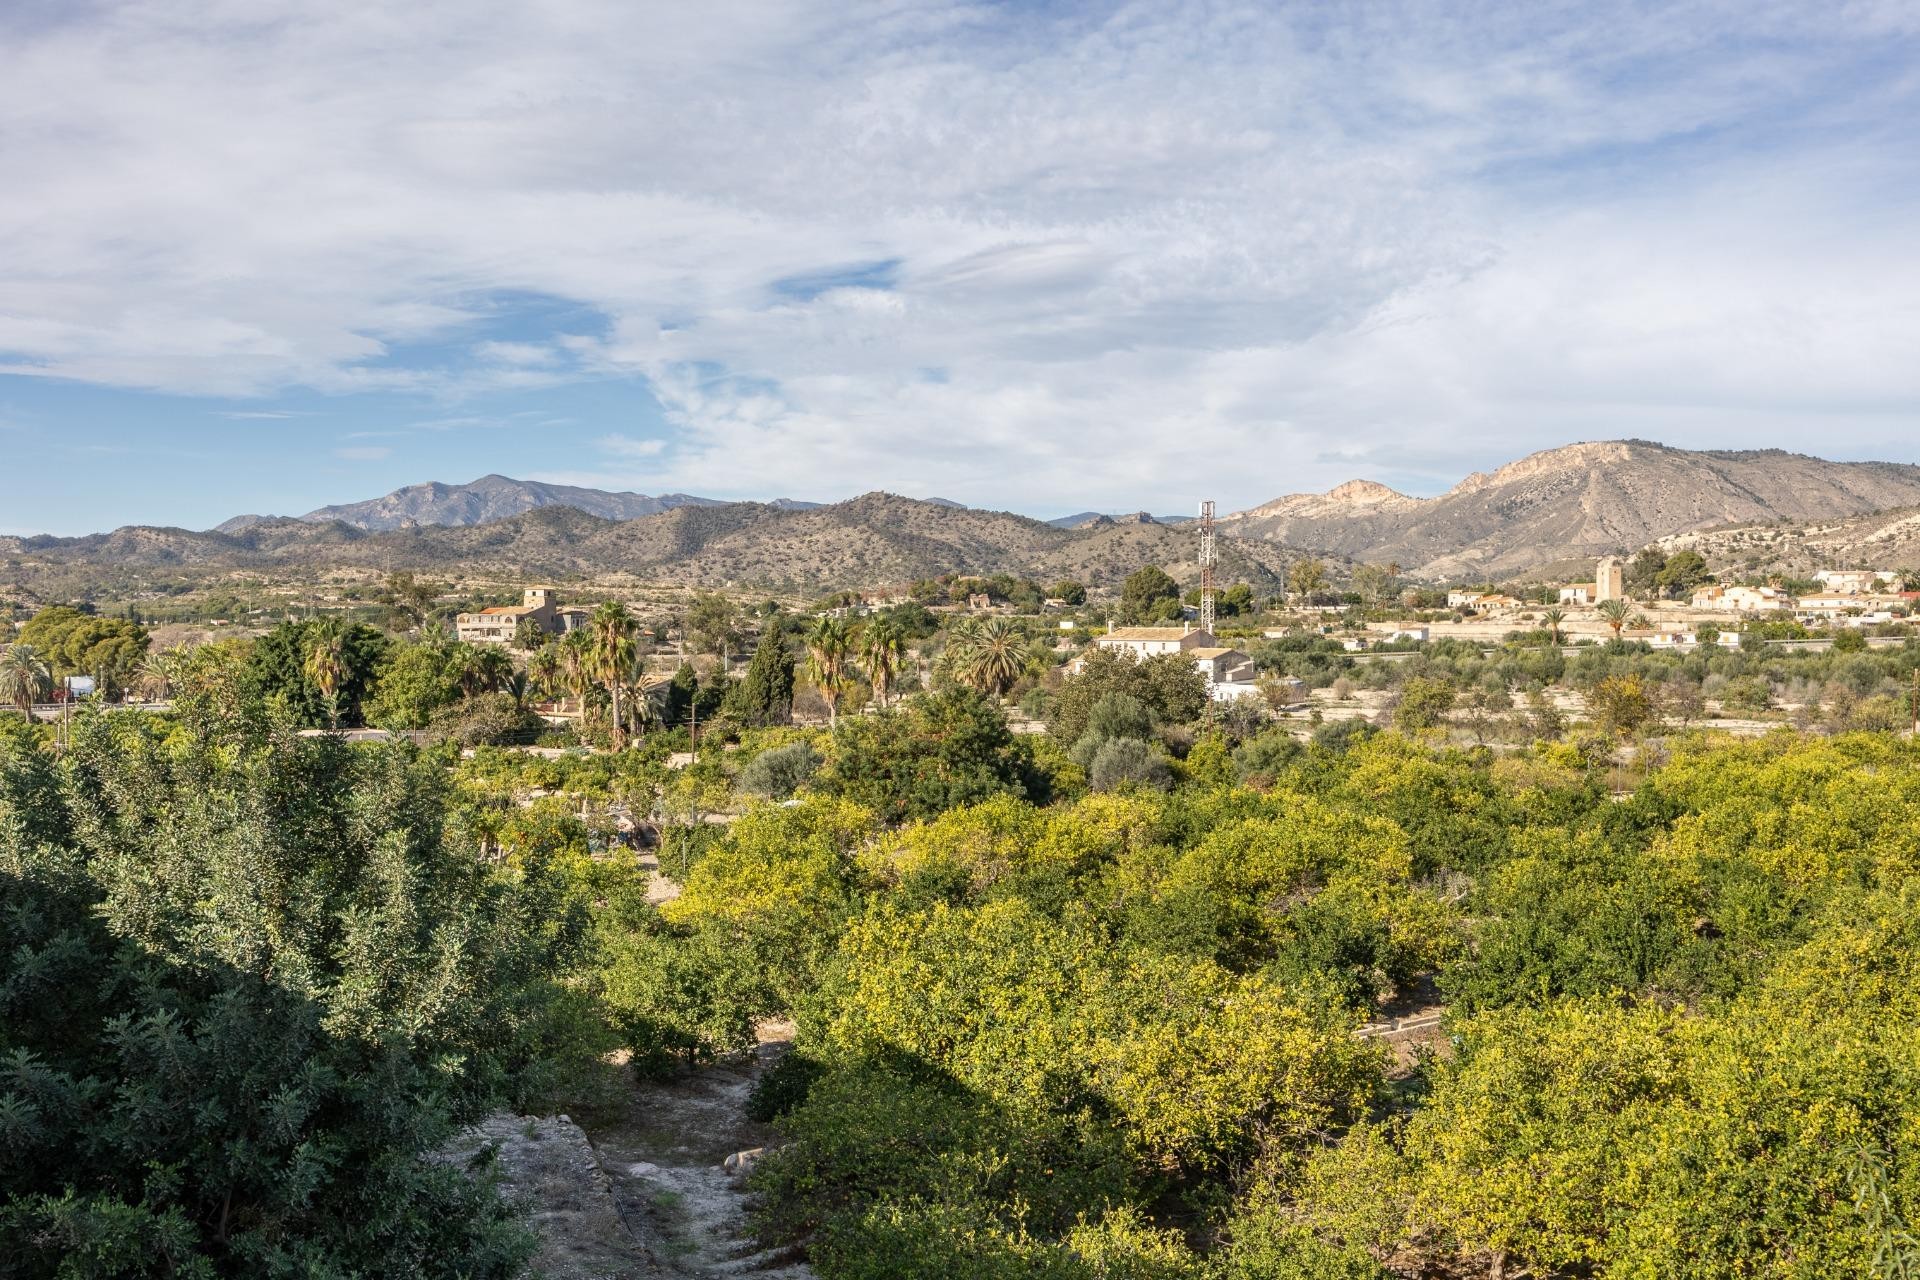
{"x": 1609, "y": 580}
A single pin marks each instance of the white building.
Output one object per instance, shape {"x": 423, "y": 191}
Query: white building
{"x": 1145, "y": 642}
{"x": 496, "y": 625}
{"x": 1742, "y": 599}
{"x": 1853, "y": 582}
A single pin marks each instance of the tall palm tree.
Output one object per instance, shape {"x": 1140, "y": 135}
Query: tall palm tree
{"x": 830, "y": 662}
{"x": 883, "y": 647}
{"x": 575, "y": 664}
{"x": 326, "y": 665}
{"x": 1615, "y": 613}
{"x": 1553, "y": 618}
{"x": 23, "y": 677}
{"x": 993, "y": 657}
{"x": 610, "y": 656}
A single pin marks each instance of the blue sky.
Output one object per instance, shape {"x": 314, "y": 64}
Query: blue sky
{"x": 272, "y": 256}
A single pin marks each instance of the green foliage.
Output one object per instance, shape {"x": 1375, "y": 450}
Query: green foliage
{"x": 1167, "y": 685}
{"x": 1424, "y": 703}
{"x": 939, "y": 751}
{"x": 415, "y": 683}
{"x": 1127, "y": 762}
{"x": 277, "y": 672}
{"x": 764, "y": 695}
{"x": 1150, "y": 595}
{"x": 75, "y": 643}
{"x": 777, "y": 773}
{"x": 243, "y": 992}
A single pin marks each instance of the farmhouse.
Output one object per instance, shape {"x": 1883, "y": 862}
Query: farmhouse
{"x": 497, "y": 625}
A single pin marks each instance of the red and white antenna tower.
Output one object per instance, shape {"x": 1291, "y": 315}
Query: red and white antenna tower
{"x": 1206, "y": 566}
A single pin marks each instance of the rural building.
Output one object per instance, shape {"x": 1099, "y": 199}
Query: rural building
{"x": 1852, "y": 582}
{"x": 1481, "y": 601}
{"x": 496, "y": 625}
{"x": 1580, "y": 593}
{"x": 1221, "y": 665}
{"x": 1609, "y": 580}
{"x": 1742, "y": 599}
{"x": 1144, "y": 642}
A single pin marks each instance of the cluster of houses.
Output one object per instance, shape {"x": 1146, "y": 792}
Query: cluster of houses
{"x": 1849, "y": 597}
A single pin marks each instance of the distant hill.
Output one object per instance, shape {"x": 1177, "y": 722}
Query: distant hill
{"x": 1083, "y": 518}
{"x": 1877, "y": 540}
{"x": 1576, "y": 501}
{"x": 873, "y": 540}
{"x": 487, "y": 499}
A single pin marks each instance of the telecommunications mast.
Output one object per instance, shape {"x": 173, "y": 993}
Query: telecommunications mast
{"x": 1206, "y": 566}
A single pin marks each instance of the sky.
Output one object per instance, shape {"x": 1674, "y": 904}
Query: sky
{"x": 260, "y": 256}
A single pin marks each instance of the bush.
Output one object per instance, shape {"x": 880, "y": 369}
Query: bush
{"x": 1265, "y": 756}
{"x": 233, "y": 1017}
{"x": 1123, "y": 761}
{"x": 491, "y": 719}
{"x": 778, "y": 773}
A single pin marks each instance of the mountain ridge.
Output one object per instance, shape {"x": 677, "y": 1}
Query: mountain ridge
{"x": 1583, "y": 499}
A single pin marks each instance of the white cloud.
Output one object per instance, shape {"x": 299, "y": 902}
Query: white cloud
{"x": 1140, "y": 252}
{"x": 627, "y": 447}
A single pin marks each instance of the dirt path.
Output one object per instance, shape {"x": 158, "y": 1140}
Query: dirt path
{"x": 665, "y": 1157}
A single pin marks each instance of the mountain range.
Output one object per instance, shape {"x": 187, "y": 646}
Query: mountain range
{"x": 877, "y": 539}
{"x": 1572, "y": 503}
{"x": 1541, "y": 515}
{"x": 490, "y": 498}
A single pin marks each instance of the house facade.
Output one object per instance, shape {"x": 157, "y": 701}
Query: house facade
{"x": 497, "y": 625}
{"x": 1742, "y": 599}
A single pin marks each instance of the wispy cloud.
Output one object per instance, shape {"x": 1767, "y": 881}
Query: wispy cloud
{"x": 363, "y": 452}
{"x": 628, "y": 447}
{"x": 1148, "y": 247}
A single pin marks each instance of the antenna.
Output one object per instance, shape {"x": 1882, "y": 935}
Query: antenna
{"x": 1206, "y": 566}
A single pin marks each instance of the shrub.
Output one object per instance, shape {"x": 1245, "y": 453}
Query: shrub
{"x": 1121, "y": 761}
{"x": 778, "y": 773}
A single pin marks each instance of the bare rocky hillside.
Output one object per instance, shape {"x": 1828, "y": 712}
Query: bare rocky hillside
{"x": 1580, "y": 500}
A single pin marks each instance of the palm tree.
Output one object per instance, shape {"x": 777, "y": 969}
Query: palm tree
{"x": 575, "y": 664}
{"x": 158, "y": 674}
{"x": 610, "y": 656}
{"x": 642, "y": 712}
{"x": 23, "y": 677}
{"x": 1615, "y": 613}
{"x": 830, "y": 662}
{"x": 326, "y": 665}
{"x": 1553, "y": 618}
{"x": 543, "y": 671}
{"x": 493, "y": 669}
{"x": 466, "y": 668}
{"x": 993, "y": 656}
{"x": 883, "y": 648}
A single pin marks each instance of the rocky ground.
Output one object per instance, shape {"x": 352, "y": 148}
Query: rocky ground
{"x": 654, "y": 1188}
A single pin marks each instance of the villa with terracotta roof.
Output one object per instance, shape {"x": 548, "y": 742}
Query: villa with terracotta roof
{"x": 496, "y": 625}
